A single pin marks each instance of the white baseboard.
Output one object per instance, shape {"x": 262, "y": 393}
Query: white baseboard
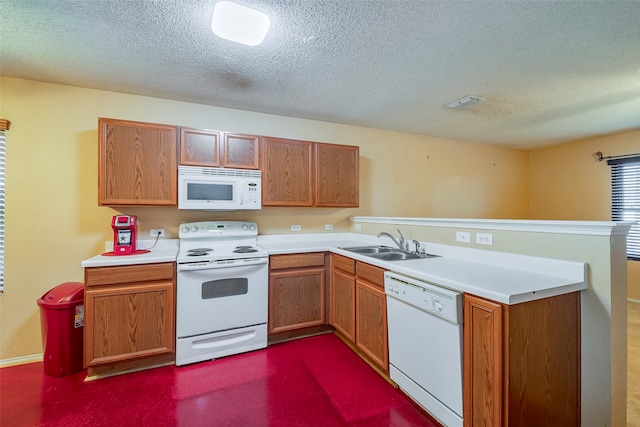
{"x": 20, "y": 360}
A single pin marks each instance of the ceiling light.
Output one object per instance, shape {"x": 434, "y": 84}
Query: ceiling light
{"x": 238, "y": 23}
{"x": 464, "y": 102}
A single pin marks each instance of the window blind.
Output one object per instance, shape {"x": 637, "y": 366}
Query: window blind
{"x": 3, "y": 157}
{"x": 625, "y": 199}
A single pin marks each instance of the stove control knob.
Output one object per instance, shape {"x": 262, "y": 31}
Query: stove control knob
{"x": 245, "y": 227}
{"x": 194, "y": 228}
{"x": 185, "y": 229}
{"x": 252, "y": 227}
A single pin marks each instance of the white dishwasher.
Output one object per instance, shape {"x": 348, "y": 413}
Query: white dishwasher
{"x": 425, "y": 344}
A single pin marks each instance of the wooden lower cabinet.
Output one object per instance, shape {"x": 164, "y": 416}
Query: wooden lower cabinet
{"x": 343, "y": 304}
{"x": 359, "y": 307}
{"x": 296, "y": 292}
{"x": 522, "y": 362}
{"x": 129, "y": 316}
{"x": 371, "y": 323}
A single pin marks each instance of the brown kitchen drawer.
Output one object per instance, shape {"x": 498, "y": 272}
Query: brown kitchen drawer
{"x": 95, "y": 276}
{"x": 371, "y": 274}
{"x": 312, "y": 259}
{"x": 343, "y": 263}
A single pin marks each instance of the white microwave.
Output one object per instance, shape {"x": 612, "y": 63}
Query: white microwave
{"x": 213, "y": 189}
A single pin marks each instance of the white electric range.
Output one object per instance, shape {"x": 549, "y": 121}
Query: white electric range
{"x": 222, "y": 291}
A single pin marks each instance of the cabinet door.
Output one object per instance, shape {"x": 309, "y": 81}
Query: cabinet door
{"x": 542, "y": 362}
{"x": 296, "y": 299}
{"x": 337, "y": 175}
{"x": 483, "y": 350}
{"x": 371, "y": 323}
{"x": 199, "y": 147}
{"x": 137, "y": 163}
{"x": 343, "y": 303}
{"x": 287, "y": 172}
{"x": 128, "y": 322}
{"x": 241, "y": 151}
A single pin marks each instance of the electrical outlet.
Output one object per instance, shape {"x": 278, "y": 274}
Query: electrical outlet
{"x": 484, "y": 238}
{"x": 328, "y": 227}
{"x": 296, "y": 227}
{"x": 463, "y": 236}
{"x": 358, "y": 227}
{"x": 155, "y": 231}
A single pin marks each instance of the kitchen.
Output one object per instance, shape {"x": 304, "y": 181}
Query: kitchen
{"x": 54, "y": 136}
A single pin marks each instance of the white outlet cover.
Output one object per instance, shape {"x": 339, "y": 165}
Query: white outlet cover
{"x": 463, "y": 236}
{"x": 484, "y": 238}
{"x": 296, "y": 227}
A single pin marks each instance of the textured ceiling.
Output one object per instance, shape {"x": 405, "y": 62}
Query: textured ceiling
{"x": 550, "y": 71}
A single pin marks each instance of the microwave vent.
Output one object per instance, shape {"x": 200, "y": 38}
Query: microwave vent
{"x": 197, "y": 171}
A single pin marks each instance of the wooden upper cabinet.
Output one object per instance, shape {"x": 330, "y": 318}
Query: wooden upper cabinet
{"x": 199, "y": 147}
{"x": 241, "y": 151}
{"x": 287, "y": 172}
{"x": 303, "y": 173}
{"x": 202, "y": 147}
{"x": 337, "y": 175}
{"x": 137, "y": 163}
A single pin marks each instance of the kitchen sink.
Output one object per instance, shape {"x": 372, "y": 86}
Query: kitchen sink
{"x": 370, "y": 250}
{"x": 386, "y": 253}
{"x": 395, "y": 256}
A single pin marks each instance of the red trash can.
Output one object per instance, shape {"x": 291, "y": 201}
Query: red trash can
{"x": 62, "y": 322}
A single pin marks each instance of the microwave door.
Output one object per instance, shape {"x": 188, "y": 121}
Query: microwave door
{"x": 209, "y": 194}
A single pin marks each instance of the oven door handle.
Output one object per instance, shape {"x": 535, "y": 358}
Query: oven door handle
{"x": 228, "y": 263}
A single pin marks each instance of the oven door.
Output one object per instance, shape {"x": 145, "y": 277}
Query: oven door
{"x": 219, "y": 299}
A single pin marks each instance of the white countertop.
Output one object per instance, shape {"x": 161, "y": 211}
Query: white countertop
{"x": 479, "y": 272}
{"x": 164, "y": 251}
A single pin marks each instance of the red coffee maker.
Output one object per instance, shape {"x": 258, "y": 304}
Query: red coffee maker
{"x": 124, "y": 234}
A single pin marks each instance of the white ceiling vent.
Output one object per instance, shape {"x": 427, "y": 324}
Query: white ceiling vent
{"x": 464, "y": 102}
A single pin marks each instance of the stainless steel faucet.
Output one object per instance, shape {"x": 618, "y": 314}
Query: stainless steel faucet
{"x": 399, "y": 242}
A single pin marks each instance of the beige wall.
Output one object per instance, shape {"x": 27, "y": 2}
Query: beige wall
{"x": 567, "y": 183}
{"x": 53, "y": 221}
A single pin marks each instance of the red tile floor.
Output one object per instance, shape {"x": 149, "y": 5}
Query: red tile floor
{"x": 315, "y": 381}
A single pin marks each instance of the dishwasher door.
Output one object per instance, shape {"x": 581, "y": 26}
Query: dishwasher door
{"x": 425, "y": 349}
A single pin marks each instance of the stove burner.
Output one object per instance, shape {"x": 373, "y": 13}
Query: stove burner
{"x": 197, "y": 253}
{"x": 244, "y": 249}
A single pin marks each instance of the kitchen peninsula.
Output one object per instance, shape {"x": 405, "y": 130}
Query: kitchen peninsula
{"x": 531, "y": 302}
{"x": 516, "y": 274}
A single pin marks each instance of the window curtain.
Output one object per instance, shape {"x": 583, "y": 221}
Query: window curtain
{"x": 4, "y": 127}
